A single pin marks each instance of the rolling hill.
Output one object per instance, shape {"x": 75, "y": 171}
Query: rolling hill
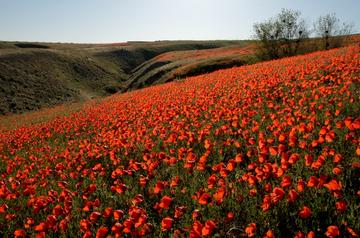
{"x": 36, "y": 75}
{"x": 179, "y": 64}
{"x": 264, "y": 150}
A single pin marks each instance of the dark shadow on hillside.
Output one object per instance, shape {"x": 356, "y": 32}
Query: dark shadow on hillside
{"x": 31, "y": 45}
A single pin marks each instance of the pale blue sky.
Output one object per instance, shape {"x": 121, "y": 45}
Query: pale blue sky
{"x": 122, "y": 20}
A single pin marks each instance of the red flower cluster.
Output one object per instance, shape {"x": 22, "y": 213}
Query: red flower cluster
{"x": 261, "y": 150}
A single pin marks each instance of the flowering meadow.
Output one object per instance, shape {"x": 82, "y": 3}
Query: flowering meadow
{"x": 206, "y": 53}
{"x": 266, "y": 150}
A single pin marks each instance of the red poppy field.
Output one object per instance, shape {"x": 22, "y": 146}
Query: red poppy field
{"x": 267, "y": 150}
{"x": 206, "y": 53}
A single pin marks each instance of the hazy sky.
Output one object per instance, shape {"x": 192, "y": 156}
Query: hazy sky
{"x": 123, "y": 20}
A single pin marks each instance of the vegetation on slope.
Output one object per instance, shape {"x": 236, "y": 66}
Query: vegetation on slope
{"x": 179, "y": 64}
{"x": 34, "y": 79}
{"x": 35, "y": 75}
{"x": 266, "y": 150}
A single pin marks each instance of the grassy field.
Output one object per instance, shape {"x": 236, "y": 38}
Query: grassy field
{"x": 179, "y": 64}
{"x": 41, "y": 75}
{"x": 37, "y": 75}
{"x": 265, "y": 150}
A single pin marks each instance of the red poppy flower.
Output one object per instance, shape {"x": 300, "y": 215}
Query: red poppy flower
{"x": 286, "y": 182}
{"x": 166, "y": 223}
{"x": 19, "y": 233}
{"x": 230, "y": 216}
{"x": 250, "y": 230}
{"x": 269, "y": 234}
{"x": 208, "y": 229}
{"x": 94, "y": 216}
{"x": 305, "y": 212}
{"x": 277, "y": 195}
{"x": 101, "y": 232}
{"x": 159, "y": 187}
{"x": 118, "y": 214}
{"x": 333, "y": 185}
{"x": 204, "y": 199}
{"x": 332, "y": 231}
{"x": 219, "y": 194}
{"x": 165, "y": 202}
{"x": 340, "y": 206}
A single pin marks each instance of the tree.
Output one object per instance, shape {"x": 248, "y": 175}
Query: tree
{"x": 330, "y": 28}
{"x": 282, "y": 35}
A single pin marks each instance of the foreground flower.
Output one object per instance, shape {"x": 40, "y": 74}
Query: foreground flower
{"x": 208, "y": 229}
{"x": 19, "y": 233}
{"x": 333, "y": 185}
{"x": 250, "y": 230}
{"x": 165, "y": 202}
{"x": 332, "y": 231}
{"x": 340, "y": 206}
{"x": 166, "y": 223}
{"x": 269, "y": 234}
{"x": 102, "y": 231}
{"x": 305, "y": 212}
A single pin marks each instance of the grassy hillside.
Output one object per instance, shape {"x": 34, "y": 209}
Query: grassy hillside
{"x": 179, "y": 64}
{"x": 264, "y": 150}
{"x": 35, "y": 75}
{"x": 31, "y": 79}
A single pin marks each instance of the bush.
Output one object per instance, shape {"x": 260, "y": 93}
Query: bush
{"x": 111, "y": 89}
{"x": 332, "y": 31}
{"x": 281, "y": 36}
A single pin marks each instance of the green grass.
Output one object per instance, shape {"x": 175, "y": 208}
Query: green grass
{"x": 38, "y": 75}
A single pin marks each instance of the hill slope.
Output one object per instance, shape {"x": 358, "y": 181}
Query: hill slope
{"x": 270, "y": 149}
{"x": 34, "y": 79}
{"x": 179, "y": 64}
{"x": 35, "y": 75}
